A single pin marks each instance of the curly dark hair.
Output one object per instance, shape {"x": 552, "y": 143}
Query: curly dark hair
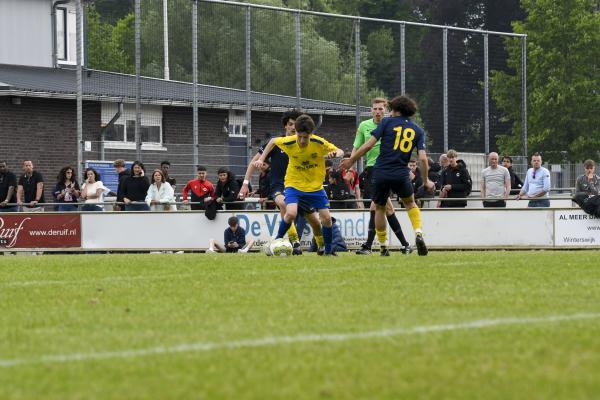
{"x": 96, "y": 174}
{"x": 290, "y": 114}
{"x": 62, "y": 175}
{"x": 404, "y": 105}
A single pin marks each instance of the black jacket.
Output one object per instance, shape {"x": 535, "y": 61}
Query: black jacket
{"x": 123, "y": 175}
{"x": 461, "y": 185}
{"x": 515, "y": 182}
{"x": 135, "y": 188}
{"x": 229, "y": 192}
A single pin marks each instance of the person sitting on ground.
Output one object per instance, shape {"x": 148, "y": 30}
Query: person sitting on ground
{"x": 234, "y": 239}
{"x": 338, "y": 243}
{"x": 160, "y": 196}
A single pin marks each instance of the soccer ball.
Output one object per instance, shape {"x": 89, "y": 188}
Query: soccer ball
{"x": 280, "y": 247}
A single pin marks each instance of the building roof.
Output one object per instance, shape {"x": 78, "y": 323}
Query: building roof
{"x": 115, "y": 87}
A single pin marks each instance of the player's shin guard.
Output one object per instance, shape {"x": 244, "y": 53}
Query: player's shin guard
{"x": 395, "y": 225}
{"x": 320, "y": 241}
{"x": 382, "y": 237}
{"x": 328, "y": 238}
{"x": 293, "y": 233}
{"x": 415, "y": 218}
{"x": 371, "y": 232}
{"x": 283, "y": 228}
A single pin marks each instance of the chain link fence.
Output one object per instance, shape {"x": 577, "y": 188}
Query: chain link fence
{"x": 184, "y": 79}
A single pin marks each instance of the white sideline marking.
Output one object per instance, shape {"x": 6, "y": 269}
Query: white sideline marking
{"x": 279, "y": 340}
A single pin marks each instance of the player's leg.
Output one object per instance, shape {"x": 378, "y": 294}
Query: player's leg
{"x": 395, "y": 226}
{"x": 365, "y": 248}
{"x": 248, "y": 246}
{"x": 315, "y": 224}
{"x": 414, "y": 213}
{"x": 380, "y": 198}
{"x": 279, "y": 199}
{"x": 327, "y": 223}
{"x": 215, "y": 247}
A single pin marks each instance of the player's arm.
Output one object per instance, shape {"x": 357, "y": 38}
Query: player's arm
{"x": 335, "y": 153}
{"x": 270, "y": 146}
{"x": 358, "y": 153}
{"x": 249, "y": 172}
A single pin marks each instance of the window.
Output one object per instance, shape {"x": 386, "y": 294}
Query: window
{"x": 61, "y": 34}
{"x": 237, "y": 126}
{"x": 122, "y": 133}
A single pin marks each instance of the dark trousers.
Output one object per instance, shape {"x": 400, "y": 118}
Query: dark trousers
{"x": 494, "y": 203}
{"x": 539, "y": 203}
{"x": 137, "y": 207}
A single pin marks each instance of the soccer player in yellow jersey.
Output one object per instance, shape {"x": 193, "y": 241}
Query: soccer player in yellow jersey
{"x": 305, "y": 175}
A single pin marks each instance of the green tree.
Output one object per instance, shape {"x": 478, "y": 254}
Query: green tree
{"x": 104, "y": 47}
{"x": 563, "y": 80}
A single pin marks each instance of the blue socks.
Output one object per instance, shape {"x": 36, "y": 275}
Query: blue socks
{"x": 283, "y": 228}
{"x": 328, "y": 238}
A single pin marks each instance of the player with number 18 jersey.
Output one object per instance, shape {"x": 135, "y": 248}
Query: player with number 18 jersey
{"x": 398, "y": 136}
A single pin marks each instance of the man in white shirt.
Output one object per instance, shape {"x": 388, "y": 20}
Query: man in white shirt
{"x": 495, "y": 183}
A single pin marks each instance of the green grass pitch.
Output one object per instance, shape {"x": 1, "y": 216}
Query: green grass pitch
{"x": 452, "y": 325}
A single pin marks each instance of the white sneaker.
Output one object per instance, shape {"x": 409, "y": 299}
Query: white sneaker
{"x": 209, "y": 250}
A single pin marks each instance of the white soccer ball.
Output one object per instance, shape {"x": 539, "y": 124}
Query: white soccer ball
{"x": 281, "y": 248}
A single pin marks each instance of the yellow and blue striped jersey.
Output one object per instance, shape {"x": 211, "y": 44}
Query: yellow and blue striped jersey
{"x": 306, "y": 167}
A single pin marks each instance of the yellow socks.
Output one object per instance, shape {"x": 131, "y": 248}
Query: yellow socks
{"x": 320, "y": 241}
{"x": 293, "y": 233}
{"x": 382, "y": 236}
{"x": 415, "y": 218}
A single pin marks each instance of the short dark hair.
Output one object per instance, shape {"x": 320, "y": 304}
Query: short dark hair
{"x": 507, "y": 158}
{"x": 200, "y": 168}
{"x": 233, "y": 221}
{"x": 165, "y": 163}
{"x": 290, "y": 114}
{"x": 328, "y": 163}
{"x": 404, "y": 105}
{"x": 305, "y": 124}
{"x": 223, "y": 170}
{"x": 536, "y": 154}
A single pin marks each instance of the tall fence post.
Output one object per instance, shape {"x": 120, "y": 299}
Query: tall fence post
{"x": 195, "y": 84}
{"x": 357, "y": 72}
{"x": 248, "y": 83}
{"x": 402, "y": 59}
{"x": 138, "y": 82}
{"x": 298, "y": 36}
{"x": 524, "y": 93}
{"x": 79, "y": 78}
{"x": 166, "y": 39}
{"x": 445, "y": 83}
{"x": 486, "y": 92}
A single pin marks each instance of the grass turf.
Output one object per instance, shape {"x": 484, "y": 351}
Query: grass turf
{"x": 95, "y": 311}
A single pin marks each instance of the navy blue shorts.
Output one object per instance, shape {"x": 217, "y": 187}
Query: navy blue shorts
{"x": 385, "y": 184}
{"x": 277, "y": 189}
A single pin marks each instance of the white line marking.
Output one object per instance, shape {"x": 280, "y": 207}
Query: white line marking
{"x": 279, "y": 340}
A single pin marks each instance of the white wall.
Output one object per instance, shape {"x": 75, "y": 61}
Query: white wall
{"x": 26, "y": 32}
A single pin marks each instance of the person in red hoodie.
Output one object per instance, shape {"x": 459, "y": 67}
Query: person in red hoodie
{"x": 202, "y": 190}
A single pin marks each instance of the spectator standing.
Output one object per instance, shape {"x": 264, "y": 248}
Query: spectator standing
{"x": 227, "y": 190}
{"x": 234, "y": 240}
{"x": 435, "y": 171}
{"x": 66, "y": 191}
{"x": 201, "y": 190}
{"x": 123, "y": 172}
{"x": 160, "y": 196}
{"x": 352, "y": 179}
{"x": 30, "y": 189}
{"x": 455, "y": 182}
{"x": 92, "y": 191}
{"x": 165, "y": 167}
{"x": 264, "y": 186}
{"x": 537, "y": 184}
{"x": 8, "y": 189}
{"x": 338, "y": 191}
{"x": 515, "y": 182}
{"x": 135, "y": 189}
{"x": 495, "y": 183}
{"x": 589, "y": 183}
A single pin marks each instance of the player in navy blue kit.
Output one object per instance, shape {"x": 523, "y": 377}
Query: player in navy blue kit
{"x": 399, "y": 135}
{"x": 279, "y": 163}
